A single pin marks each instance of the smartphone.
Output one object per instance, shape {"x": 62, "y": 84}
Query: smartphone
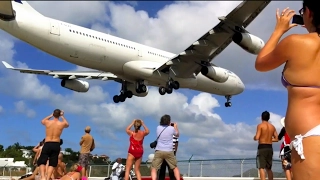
{"x": 297, "y": 19}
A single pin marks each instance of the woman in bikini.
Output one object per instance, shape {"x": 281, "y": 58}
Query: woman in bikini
{"x": 74, "y": 173}
{"x": 135, "y": 151}
{"x": 301, "y": 55}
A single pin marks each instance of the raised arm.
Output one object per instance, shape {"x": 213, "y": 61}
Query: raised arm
{"x": 176, "y": 130}
{"x": 43, "y": 121}
{"x": 64, "y": 120}
{"x": 274, "y": 54}
{"x": 146, "y": 130}
{"x": 128, "y": 129}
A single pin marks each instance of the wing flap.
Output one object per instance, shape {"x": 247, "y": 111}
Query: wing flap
{"x": 66, "y": 74}
{"x": 6, "y": 11}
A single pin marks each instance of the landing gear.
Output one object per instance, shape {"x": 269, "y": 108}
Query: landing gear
{"x": 169, "y": 87}
{"x": 140, "y": 87}
{"x": 228, "y": 103}
{"x": 124, "y": 94}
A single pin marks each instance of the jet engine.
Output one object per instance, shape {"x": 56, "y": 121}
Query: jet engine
{"x": 75, "y": 85}
{"x": 132, "y": 88}
{"x": 248, "y": 42}
{"x": 215, "y": 73}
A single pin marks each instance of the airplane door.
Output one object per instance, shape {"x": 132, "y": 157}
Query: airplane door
{"x": 55, "y": 27}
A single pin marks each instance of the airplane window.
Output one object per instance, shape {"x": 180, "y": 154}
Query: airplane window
{"x": 73, "y": 30}
{"x": 89, "y": 35}
{"x": 77, "y": 32}
{"x": 70, "y": 30}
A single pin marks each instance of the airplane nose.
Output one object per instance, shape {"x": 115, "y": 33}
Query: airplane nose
{"x": 240, "y": 86}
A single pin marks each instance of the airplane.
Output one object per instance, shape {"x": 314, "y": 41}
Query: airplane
{"x": 134, "y": 65}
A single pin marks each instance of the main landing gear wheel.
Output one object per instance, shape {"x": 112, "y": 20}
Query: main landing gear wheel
{"x": 170, "y": 86}
{"x": 141, "y": 88}
{"x": 122, "y": 97}
{"x": 228, "y": 103}
{"x": 124, "y": 94}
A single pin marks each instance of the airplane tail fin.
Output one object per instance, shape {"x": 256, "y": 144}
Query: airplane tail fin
{"x": 8, "y": 9}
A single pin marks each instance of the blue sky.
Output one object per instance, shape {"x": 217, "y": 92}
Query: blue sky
{"x": 204, "y": 126}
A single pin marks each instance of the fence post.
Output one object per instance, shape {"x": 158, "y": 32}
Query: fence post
{"x": 189, "y": 166}
{"x": 241, "y": 167}
{"x": 201, "y": 169}
{"x": 90, "y": 170}
{"x": 108, "y": 170}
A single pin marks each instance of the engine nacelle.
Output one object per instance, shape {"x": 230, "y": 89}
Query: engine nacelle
{"x": 248, "y": 42}
{"x": 215, "y": 73}
{"x": 132, "y": 88}
{"x": 75, "y": 85}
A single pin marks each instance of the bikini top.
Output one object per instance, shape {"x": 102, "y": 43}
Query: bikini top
{"x": 285, "y": 83}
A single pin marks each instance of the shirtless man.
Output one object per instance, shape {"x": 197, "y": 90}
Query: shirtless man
{"x": 266, "y": 134}
{"x": 51, "y": 148}
{"x": 60, "y": 170}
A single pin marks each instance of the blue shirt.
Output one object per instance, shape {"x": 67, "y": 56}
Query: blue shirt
{"x": 165, "y": 141}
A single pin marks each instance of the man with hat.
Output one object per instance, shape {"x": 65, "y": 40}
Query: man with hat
{"x": 285, "y": 151}
{"x": 87, "y": 145}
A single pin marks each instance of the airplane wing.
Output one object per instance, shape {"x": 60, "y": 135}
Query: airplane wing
{"x": 68, "y": 74}
{"x": 211, "y": 44}
{"x": 6, "y": 11}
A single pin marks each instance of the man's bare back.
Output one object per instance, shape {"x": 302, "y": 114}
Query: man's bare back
{"x": 54, "y": 127}
{"x": 266, "y": 133}
{"x": 51, "y": 147}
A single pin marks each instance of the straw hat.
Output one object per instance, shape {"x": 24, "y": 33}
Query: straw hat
{"x": 282, "y": 121}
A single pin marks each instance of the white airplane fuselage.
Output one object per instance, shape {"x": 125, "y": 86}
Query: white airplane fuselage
{"x": 95, "y": 50}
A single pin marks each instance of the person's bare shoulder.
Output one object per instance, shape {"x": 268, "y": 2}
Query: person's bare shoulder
{"x": 304, "y": 41}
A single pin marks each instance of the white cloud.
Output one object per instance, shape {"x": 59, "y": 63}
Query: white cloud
{"x": 173, "y": 29}
{"x": 77, "y": 12}
{"x": 21, "y": 107}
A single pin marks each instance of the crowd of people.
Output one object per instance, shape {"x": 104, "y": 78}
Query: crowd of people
{"x": 48, "y": 159}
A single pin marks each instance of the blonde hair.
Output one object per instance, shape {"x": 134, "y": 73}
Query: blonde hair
{"x": 74, "y": 167}
{"x": 137, "y": 125}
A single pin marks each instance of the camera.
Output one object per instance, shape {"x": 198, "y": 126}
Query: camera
{"x": 172, "y": 124}
{"x": 297, "y": 19}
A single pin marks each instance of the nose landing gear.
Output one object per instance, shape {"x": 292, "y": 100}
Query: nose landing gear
{"x": 228, "y": 103}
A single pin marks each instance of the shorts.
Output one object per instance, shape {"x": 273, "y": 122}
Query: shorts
{"x": 264, "y": 156}
{"x": 168, "y": 156}
{"x": 84, "y": 160}
{"x": 50, "y": 151}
